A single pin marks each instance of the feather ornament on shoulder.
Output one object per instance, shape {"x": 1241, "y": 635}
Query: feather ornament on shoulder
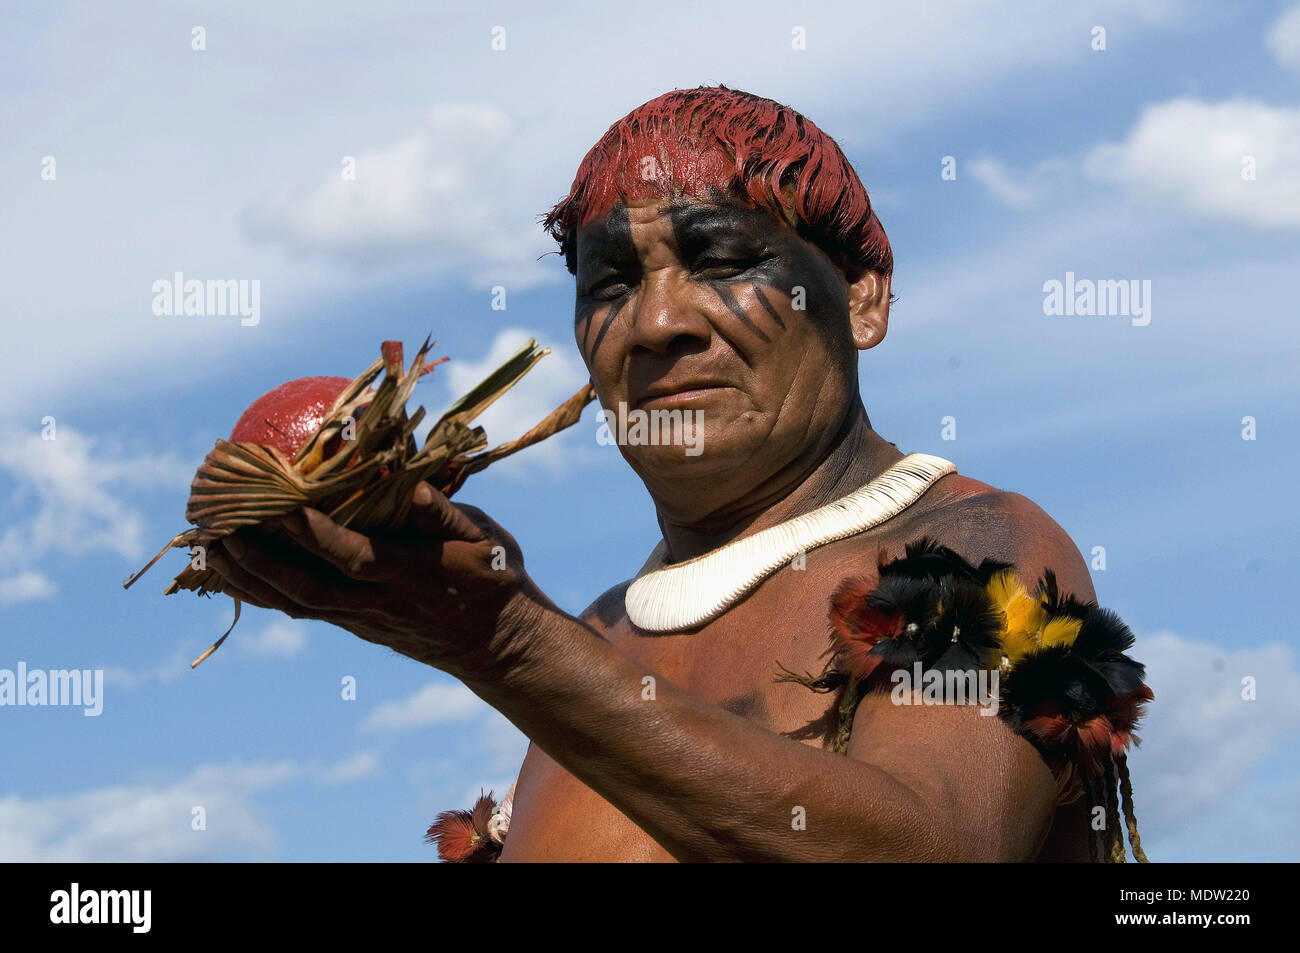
{"x": 1063, "y": 678}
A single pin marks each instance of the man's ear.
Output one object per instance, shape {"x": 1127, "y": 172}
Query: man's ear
{"x": 869, "y": 309}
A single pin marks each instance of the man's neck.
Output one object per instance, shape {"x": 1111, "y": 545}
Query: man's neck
{"x": 857, "y": 457}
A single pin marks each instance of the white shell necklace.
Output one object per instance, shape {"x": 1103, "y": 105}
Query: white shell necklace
{"x": 687, "y": 594}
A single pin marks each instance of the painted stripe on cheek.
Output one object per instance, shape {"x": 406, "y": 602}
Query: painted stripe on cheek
{"x": 734, "y": 307}
{"x": 767, "y": 305}
{"x": 609, "y": 319}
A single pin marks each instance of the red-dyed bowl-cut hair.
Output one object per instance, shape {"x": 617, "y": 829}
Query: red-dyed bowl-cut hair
{"x": 698, "y": 142}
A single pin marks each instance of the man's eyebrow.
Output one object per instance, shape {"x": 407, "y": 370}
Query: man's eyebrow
{"x": 611, "y": 241}
{"x": 598, "y": 251}
{"x": 694, "y": 223}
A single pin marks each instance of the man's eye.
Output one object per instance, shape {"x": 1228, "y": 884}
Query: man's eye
{"x": 722, "y": 267}
{"x": 609, "y": 289}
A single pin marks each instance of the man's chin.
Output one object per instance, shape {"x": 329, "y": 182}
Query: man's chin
{"x": 701, "y": 454}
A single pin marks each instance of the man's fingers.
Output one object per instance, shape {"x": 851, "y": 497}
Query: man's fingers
{"x": 266, "y": 597}
{"x": 246, "y": 587}
{"x": 266, "y": 576}
{"x": 364, "y": 558}
{"x": 242, "y": 596}
{"x": 434, "y": 514}
{"x": 354, "y": 554}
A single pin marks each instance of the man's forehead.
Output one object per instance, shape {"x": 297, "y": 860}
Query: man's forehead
{"x": 688, "y": 217}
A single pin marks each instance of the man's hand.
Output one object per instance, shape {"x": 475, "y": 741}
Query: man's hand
{"x": 448, "y": 589}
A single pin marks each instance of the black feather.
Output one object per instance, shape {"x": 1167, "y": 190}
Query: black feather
{"x": 901, "y": 652}
{"x": 1103, "y": 634}
{"x": 948, "y": 620}
{"x": 926, "y": 559}
{"x": 915, "y": 598}
{"x": 1102, "y": 641}
{"x": 1059, "y": 676}
{"x": 1055, "y": 603}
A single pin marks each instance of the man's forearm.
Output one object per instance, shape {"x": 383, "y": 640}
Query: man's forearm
{"x": 703, "y": 782}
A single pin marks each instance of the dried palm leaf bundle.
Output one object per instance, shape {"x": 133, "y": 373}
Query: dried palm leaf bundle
{"x": 359, "y": 464}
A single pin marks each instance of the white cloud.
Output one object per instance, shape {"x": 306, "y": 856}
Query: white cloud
{"x": 1190, "y": 155}
{"x": 505, "y": 743}
{"x": 1283, "y": 39}
{"x": 25, "y": 587}
{"x": 554, "y": 380}
{"x": 1264, "y": 826}
{"x": 362, "y": 765}
{"x": 995, "y": 177}
{"x": 139, "y": 822}
{"x": 442, "y": 194}
{"x": 283, "y": 638}
{"x": 164, "y": 673}
{"x": 1201, "y": 739}
{"x": 1015, "y": 190}
{"x": 435, "y": 703}
{"x": 69, "y": 487}
{"x": 154, "y": 822}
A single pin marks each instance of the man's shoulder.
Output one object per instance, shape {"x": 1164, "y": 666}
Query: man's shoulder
{"x": 970, "y": 502}
{"x": 980, "y": 521}
{"x": 608, "y": 608}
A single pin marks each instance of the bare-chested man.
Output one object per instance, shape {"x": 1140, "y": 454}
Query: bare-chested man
{"x": 697, "y": 290}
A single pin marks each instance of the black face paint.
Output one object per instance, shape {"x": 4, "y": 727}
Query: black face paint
{"x": 608, "y": 257}
{"x": 794, "y": 265}
{"x": 583, "y": 311}
{"x": 752, "y": 245}
{"x": 767, "y": 305}
{"x": 609, "y": 319}
{"x": 729, "y": 299}
{"x": 743, "y": 244}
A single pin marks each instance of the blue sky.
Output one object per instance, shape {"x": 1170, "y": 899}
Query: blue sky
{"x": 223, "y": 162}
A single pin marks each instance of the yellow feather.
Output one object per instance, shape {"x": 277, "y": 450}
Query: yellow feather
{"x": 1022, "y": 616}
{"x": 1060, "y": 631}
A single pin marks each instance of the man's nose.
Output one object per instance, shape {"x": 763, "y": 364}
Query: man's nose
{"x": 664, "y": 318}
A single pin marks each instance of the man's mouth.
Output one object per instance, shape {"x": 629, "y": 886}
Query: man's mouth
{"x": 666, "y": 396}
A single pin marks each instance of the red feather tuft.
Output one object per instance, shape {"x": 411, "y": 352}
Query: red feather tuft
{"x": 482, "y": 812}
{"x": 454, "y": 834}
{"x": 1088, "y": 743}
{"x": 1049, "y": 725}
{"x": 1124, "y": 712}
{"x": 858, "y": 626}
{"x": 854, "y": 618}
{"x": 462, "y": 836}
{"x": 1094, "y": 741}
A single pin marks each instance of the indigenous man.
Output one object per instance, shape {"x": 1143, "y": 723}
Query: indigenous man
{"x": 728, "y": 264}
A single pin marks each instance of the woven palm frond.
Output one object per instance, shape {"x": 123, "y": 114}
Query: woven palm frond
{"x": 361, "y": 466}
